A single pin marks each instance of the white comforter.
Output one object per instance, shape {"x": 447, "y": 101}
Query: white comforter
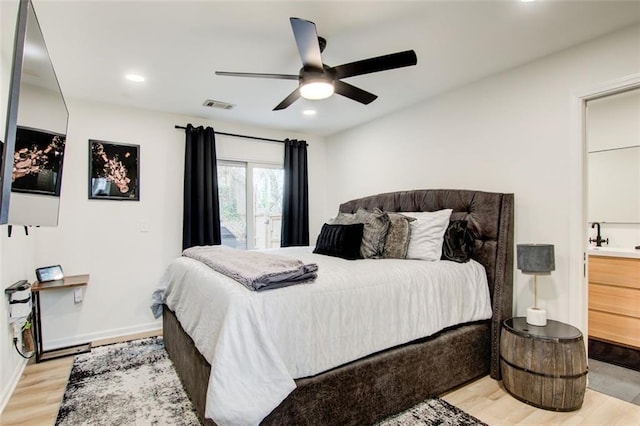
{"x": 258, "y": 342}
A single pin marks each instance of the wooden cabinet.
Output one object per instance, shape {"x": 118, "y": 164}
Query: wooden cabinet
{"x": 614, "y": 300}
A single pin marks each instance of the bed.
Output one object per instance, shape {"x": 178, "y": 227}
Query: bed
{"x": 376, "y": 386}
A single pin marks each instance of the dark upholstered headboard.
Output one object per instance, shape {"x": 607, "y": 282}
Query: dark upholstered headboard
{"x": 490, "y": 217}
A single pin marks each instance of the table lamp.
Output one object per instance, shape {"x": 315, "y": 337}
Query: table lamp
{"x": 536, "y": 259}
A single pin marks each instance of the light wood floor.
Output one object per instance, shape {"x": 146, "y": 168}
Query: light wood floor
{"x": 41, "y": 387}
{"x": 39, "y": 392}
{"x": 487, "y": 400}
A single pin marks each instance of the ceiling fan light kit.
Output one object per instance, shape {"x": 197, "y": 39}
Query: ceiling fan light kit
{"x": 316, "y": 89}
{"x": 319, "y": 81}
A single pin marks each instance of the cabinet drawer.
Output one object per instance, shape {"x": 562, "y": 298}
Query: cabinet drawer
{"x": 615, "y": 300}
{"x": 614, "y": 328}
{"x": 618, "y": 271}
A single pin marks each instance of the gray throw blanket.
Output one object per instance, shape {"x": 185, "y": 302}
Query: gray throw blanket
{"x": 255, "y": 270}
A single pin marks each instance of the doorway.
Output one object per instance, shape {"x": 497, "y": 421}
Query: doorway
{"x": 606, "y": 147}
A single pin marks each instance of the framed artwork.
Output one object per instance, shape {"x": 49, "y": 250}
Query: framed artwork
{"x": 114, "y": 170}
{"x": 37, "y": 161}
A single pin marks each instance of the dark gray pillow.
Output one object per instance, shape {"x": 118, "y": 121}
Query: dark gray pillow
{"x": 397, "y": 241}
{"x": 458, "y": 243}
{"x": 376, "y": 226}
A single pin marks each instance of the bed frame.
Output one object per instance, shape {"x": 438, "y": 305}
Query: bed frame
{"x": 372, "y": 388}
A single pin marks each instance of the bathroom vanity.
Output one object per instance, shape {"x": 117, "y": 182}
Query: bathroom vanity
{"x": 614, "y": 300}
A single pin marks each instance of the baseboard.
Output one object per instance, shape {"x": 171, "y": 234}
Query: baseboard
{"x": 11, "y": 385}
{"x": 116, "y": 334}
{"x": 614, "y": 354}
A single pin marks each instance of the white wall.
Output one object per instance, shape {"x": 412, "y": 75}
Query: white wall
{"x": 103, "y": 238}
{"x": 614, "y": 121}
{"x": 17, "y": 254}
{"x": 510, "y": 132}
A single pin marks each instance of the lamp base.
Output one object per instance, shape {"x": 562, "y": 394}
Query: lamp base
{"x": 536, "y": 316}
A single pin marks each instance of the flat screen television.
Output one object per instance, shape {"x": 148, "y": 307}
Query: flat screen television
{"x": 36, "y": 123}
{"x": 37, "y": 161}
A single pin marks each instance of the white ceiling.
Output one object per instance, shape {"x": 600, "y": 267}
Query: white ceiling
{"x": 177, "y": 46}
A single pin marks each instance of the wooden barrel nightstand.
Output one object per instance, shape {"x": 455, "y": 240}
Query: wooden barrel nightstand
{"x": 543, "y": 366}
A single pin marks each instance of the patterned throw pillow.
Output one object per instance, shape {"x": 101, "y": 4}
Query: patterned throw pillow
{"x": 343, "y": 219}
{"x": 376, "y": 226}
{"x": 397, "y": 242}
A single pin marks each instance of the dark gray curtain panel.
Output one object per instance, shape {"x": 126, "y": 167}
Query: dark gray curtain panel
{"x": 295, "y": 204}
{"x": 201, "y": 218}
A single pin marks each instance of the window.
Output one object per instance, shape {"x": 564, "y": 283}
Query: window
{"x": 233, "y": 204}
{"x": 250, "y": 204}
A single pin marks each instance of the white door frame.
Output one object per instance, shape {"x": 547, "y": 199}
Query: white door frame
{"x": 578, "y": 308}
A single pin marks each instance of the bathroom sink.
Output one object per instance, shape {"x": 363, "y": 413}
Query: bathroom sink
{"x": 614, "y": 252}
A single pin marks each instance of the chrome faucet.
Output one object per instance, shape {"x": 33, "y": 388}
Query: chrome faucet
{"x": 598, "y": 240}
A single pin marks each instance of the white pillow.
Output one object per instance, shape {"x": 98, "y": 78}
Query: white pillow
{"x": 427, "y": 234}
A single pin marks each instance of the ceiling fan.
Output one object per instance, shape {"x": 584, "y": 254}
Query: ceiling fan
{"x": 317, "y": 80}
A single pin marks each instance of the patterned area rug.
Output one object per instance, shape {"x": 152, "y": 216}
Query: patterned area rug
{"x": 135, "y": 383}
{"x": 130, "y": 383}
{"x": 433, "y": 412}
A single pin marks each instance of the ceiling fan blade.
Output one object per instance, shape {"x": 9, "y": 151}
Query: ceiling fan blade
{"x": 288, "y": 100}
{"x": 307, "y": 40}
{"x": 353, "y": 92}
{"x": 380, "y": 63}
{"x": 258, "y": 75}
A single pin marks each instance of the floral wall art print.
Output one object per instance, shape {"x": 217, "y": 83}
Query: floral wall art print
{"x": 37, "y": 161}
{"x": 114, "y": 170}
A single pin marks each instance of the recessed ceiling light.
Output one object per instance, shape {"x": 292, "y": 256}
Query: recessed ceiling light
{"x": 309, "y": 112}
{"x": 134, "y": 77}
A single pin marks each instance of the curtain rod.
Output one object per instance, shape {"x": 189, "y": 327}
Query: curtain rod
{"x": 239, "y": 136}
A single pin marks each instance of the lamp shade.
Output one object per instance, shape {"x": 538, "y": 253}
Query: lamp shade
{"x": 536, "y": 258}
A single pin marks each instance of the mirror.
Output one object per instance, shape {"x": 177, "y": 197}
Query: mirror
{"x": 614, "y": 185}
{"x": 36, "y": 128}
{"x": 613, "y": 159}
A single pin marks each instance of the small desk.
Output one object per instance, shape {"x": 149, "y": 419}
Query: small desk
{"x": 36, "y": 288}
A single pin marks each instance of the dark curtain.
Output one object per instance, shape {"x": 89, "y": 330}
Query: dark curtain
{"x": 201, "y": 218}
{"x": 295, "y": 204}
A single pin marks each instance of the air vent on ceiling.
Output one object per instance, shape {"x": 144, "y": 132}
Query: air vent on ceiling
{"x": 217, "y": 104}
